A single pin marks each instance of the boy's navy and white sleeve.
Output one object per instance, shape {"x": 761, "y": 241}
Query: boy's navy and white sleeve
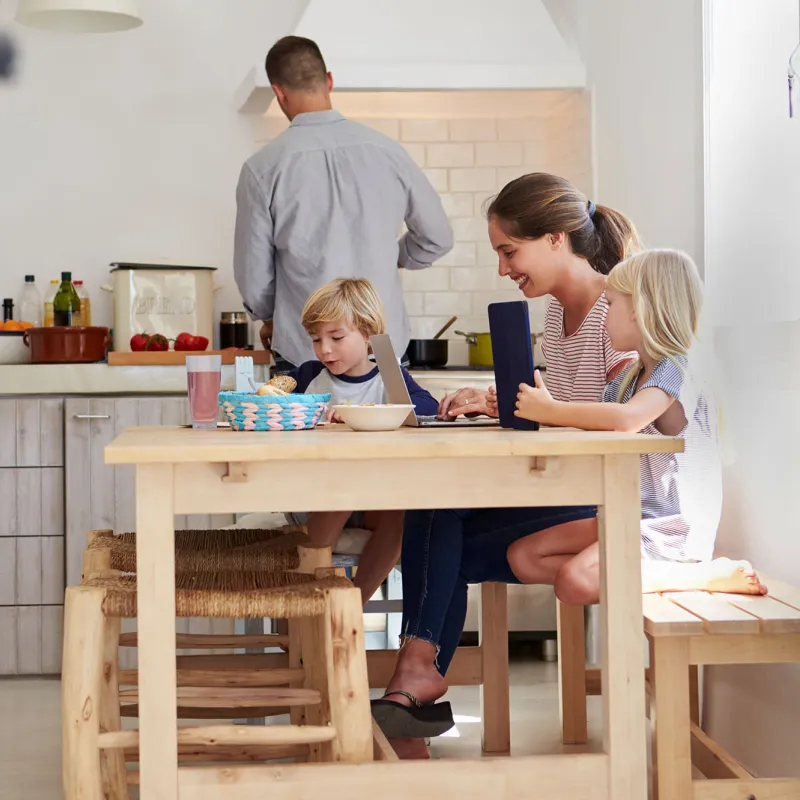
{"x": 305, "y": 373}
{"x": 425, "y": 404}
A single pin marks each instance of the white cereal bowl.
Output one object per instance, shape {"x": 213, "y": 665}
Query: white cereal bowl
{"x": 13, "y": 349}
{"x": 373, "y": 418}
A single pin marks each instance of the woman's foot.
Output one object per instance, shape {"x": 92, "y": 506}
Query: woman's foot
{"x": 733, "y": 577}
{"x": 410, "y": 749}
{"x": 417, "y": 675}
{"x": 720, "y": 575}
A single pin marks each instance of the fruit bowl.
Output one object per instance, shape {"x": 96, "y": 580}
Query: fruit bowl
{"x": 386, "y": 417}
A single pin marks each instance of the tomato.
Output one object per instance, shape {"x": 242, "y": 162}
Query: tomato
{"x": 156, "y": 343}
{"x": 185, "y": 341}
{"x": 139, "y": 342}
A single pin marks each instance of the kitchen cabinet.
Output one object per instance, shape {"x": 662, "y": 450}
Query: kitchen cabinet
{"x": 100, "y": 496}
{"x": 31, "y": 535}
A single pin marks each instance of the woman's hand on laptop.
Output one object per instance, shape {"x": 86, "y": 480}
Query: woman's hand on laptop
{"x": 468, "y": 402}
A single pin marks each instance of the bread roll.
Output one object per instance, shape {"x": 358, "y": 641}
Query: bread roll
{"x": 284, "y": 382}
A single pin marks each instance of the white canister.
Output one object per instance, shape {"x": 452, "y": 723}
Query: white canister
{"x": 160, "y": 298}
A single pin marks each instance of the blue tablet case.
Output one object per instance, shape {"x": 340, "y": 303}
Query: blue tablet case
{"x": 512, "y": 352}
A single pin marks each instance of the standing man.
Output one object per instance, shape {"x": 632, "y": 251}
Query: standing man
{"x": 327, "y": 199}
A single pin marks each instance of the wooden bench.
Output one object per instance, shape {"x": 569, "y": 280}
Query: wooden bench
{"x": 686, "y": 630}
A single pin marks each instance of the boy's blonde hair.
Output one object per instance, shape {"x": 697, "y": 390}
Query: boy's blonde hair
{"x": 667, "y": 294}
{"x": 351, "y": 300}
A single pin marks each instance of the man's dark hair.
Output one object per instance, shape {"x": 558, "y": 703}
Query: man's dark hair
{"x": 296, "y": 63}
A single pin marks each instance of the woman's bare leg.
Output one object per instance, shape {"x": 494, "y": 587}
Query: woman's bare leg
{"x": 325, "y": 527}
{"x": 538, "y": 558}
{"x": 381, "y": 553}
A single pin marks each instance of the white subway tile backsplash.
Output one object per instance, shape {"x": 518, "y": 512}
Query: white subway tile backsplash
{"x": 473, "y": 279}
{"x": 469, "y": 229}
{"x": 427, "y": 327}
{"x": 473, "y": 130}
{"x": 447, "y": 303}
{"x": 450, "y": 155}
{"x": 458, "y": 205}
{"x": 463, "y": 254}
{"x": 438, "y": 178}
{"x": 433, "y": 279}
{"x": 414, "y": 303}
{"x": 468, "y": 161}
{"x": 507, "y": 174}
{"x": 498, "y": 154}
{"x": 481, "y": 203}
{"x": 486, "y": 256}
{"x": 522, "y": 130}
{"x": 424, "y": 130}
{"x": 388, "y": 127}
{"x": 416, "y": 151}
{"x": 479, "y": 179}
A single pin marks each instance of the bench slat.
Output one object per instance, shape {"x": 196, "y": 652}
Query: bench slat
{"x": 717, "y": 613}
{"x": 663, "y": 618}
{"x": 783, "y": 592}
{"x": 775, "y": 616}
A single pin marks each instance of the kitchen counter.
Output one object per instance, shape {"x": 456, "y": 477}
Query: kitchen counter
{"x": 100, "y": 379}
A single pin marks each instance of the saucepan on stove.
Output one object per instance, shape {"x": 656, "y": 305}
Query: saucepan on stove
{"x": 429, "y": 352}
{"x": 480, "y": 348}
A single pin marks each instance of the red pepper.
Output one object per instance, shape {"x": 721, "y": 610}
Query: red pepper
{"x": 185, "y": 341}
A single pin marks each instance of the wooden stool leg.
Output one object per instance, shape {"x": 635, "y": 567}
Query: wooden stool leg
{"x": 112, "y": 762}
{"x": 673, "y": 717}
{"x": 311, "y": 559}
{"x": 495, "y": 700}
{"x": 81, "y": 679}
{"x": 572, "y": 673}
{"x": 335, "y": 661}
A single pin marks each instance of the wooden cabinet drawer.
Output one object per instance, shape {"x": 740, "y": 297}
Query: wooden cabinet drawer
{"x": 31, "y": 638}
{"x": 31, "y": 432}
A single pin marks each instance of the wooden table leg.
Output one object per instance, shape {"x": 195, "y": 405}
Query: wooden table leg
{"x": 155, "y": 564}
{"x": 673, "y": 718}
{"x": 622, "y": 633}
{"x": 495, "y": 699}
{"x": 572, "y": 673}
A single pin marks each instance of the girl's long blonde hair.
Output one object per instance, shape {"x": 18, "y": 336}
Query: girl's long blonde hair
{"x": 667, "y": 294}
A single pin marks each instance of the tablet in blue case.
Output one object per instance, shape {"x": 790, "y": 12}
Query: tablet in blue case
{"x": 512, "y": 352}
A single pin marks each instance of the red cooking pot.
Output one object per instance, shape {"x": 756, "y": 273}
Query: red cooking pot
{"x": 79, "y": 345}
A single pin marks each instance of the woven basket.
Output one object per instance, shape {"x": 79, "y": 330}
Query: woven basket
{"x": 293, "y": 412}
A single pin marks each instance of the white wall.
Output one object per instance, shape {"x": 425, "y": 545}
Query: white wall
{"x": 754, "y": 288}
{"x": 127, "y": 146}
{"x": 644, "y": 63}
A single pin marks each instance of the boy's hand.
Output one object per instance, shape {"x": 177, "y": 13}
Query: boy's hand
{"x": 333, "y": 416}
{"x": 534, "y": 403}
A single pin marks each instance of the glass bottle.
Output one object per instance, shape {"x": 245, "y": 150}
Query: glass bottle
{"x": 30, "y": 304}
{"x": 48, "y": 304}
{"x": 8, "y": 309}
{"x": 66, "y": 303}
{"x": 86, "y": 304}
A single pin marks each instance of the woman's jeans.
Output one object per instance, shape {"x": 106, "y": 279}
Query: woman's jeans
{"x": 444, "y": 551}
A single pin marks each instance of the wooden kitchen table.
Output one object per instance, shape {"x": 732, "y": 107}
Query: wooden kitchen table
{"x": 182, "y": 471}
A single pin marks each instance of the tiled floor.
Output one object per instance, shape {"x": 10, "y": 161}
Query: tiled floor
{"x": 30, "y": 727}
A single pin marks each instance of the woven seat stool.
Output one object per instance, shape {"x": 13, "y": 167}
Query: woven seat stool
{"x": 333, "y": 693}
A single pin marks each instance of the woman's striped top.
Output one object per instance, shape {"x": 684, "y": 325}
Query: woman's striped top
{"x": 578, "y": 365}
{"x": 681, "y": 492}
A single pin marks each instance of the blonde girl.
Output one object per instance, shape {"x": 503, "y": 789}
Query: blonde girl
{"x": 655, "y": 299}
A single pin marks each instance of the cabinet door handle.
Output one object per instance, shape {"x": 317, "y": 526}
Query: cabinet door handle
{"x": 92, "y": 416}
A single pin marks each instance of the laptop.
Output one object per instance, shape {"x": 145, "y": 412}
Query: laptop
{"x": 397, "y": 392}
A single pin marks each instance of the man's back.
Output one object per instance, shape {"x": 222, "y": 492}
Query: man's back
{"x": 327, "y": 199}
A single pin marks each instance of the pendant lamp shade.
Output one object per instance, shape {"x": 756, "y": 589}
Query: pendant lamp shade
{"x": 79, "y": 16}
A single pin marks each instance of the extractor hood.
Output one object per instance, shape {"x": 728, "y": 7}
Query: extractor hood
{"x": 420, "y": 45}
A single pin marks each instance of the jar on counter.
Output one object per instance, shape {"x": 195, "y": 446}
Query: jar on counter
{"x": 49, "y": 313}
{"x": 86, "y": 304}
{"x": 234, "y": 329}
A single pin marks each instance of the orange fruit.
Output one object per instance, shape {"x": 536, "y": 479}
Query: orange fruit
{"x": 25, "y": 325}
{"x": 13, "y": 325}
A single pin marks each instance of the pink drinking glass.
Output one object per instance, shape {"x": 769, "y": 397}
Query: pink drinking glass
{"x": 204, "y": 374}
